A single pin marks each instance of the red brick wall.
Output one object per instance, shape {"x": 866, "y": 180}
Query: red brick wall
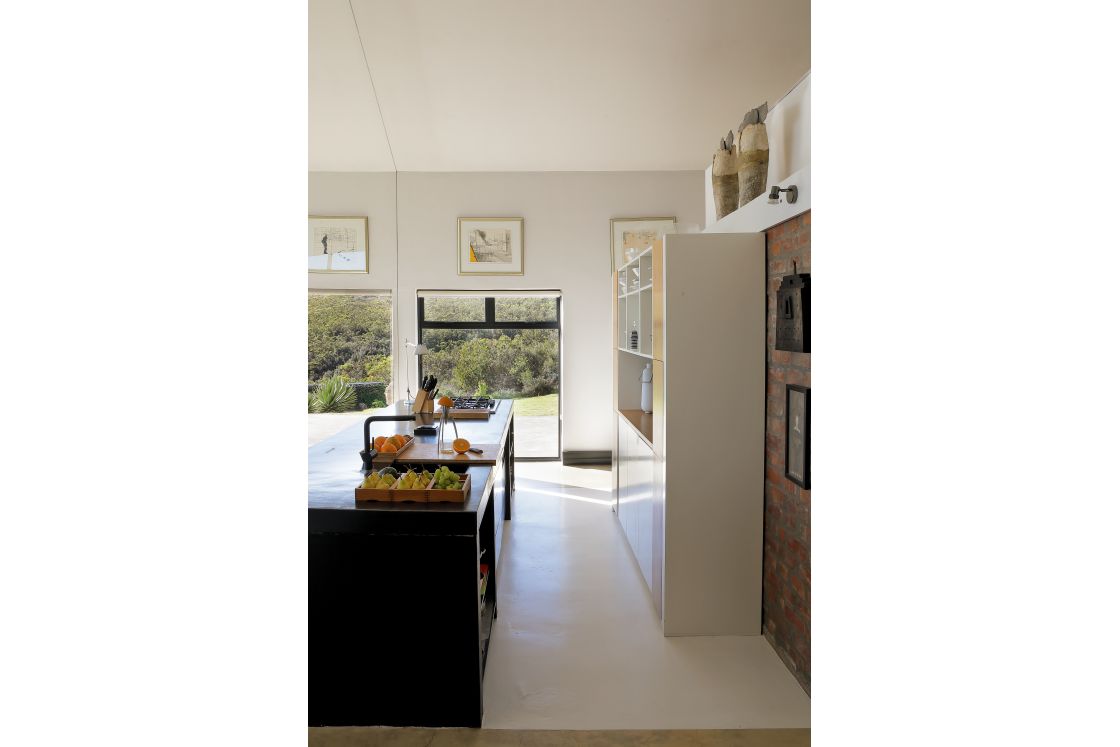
{"x": 785, "y": 555}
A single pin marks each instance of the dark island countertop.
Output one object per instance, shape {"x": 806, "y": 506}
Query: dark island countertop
{"x": 334, "y": 469}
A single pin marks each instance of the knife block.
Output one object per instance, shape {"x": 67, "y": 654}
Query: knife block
{"x": 423, "y": 402}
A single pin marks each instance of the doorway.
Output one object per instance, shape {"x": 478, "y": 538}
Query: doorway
{"x": 502, "y": 346}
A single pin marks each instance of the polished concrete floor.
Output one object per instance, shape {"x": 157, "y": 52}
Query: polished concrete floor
{"x": 578, "y": 645}
{"x": 387, "y": 737}
{"x": 536, "y": 436}
{"x": 577, "y": 656}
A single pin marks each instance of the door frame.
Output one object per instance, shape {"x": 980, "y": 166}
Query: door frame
{"x": 490, "y": 323}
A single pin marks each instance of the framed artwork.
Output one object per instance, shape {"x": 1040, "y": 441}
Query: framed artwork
{"x": 491, "y": 246}
{"x": 797, "y": 435}
{"x": 337, "y": 244}
{"x": 630, "y": 236}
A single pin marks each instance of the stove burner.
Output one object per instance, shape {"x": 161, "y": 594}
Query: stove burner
{"x": 473, "y": 403}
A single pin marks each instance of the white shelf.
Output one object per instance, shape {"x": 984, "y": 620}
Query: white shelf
{"x": 639, "y": 290}
{"x": 758, "y": 214}
{"x": 634, "y": 297}
{"x": 644, "y": 252}
{"x": 635, "y": 352}
{"x": 788, "y": 132}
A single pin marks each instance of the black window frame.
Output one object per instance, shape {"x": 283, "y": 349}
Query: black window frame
{"x": 491, "y": 323}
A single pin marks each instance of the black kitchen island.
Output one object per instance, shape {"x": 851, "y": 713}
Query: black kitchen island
{"x": 398, "y": 632}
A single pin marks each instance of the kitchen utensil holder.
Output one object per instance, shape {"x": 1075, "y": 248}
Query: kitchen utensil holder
{"x": 423, "y": 402}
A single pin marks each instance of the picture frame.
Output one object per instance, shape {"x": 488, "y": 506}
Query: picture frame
{"x": 491, "y": 246}
{"x": 797, "y": 435}
{"x": 635, "y": 234}
{"x": 338, "y": 244}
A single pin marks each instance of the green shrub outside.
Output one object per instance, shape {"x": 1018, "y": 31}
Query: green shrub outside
{"x": 500, "y": 366}
{"x": 333, "y": 395}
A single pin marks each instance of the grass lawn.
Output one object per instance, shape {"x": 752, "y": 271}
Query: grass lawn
{"x": 548, "y": 404}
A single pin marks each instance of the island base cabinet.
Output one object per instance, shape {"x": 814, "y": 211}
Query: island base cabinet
{"x": 399, "y": 622}
{"x": 394, "y": 631}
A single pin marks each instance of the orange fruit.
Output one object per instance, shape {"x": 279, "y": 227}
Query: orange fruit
{"x": 460, "y": 445}
{"x": 388, "y": 448}
{"x": 397, "y": 440}
{"x": 377, "y": 442}
{"x": 445, "y": 401}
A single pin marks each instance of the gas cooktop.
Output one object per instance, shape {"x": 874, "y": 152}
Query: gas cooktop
{"x": 473, "y": 407}
{"x": 475, "y": 403}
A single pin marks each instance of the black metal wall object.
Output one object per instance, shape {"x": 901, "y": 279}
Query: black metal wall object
{"x": 793, "y": 313}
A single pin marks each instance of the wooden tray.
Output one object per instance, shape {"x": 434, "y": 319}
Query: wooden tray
{"x": 472, "y": 414}
{"x": 385, "y": 495}
{"x": 430, "y": 494}
{"x": 435, "y": 495}
{"x": 393, "y": 494}
{"x": 412, "y": 495}
{"x": 428, "y": 454}
{"x": 384, "y": 459}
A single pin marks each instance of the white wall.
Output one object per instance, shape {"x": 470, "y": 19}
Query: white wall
{"x": 357, "y": 193}
{"x": 567, "y": 247}
{"x": 788, "y": 132}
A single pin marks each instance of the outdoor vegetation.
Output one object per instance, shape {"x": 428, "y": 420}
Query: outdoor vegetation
{"x": 349, "y": 339}
{"x": 504, "y": 363}
{"x": 497, "y": 363}
{"x": 332, "y": 395}
{"x": 543, "y": 406}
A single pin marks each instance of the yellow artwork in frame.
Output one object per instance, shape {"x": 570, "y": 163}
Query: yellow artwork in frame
{"x": 491, "y": 246}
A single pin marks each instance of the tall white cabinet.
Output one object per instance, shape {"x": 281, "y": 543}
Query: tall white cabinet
{"x": 689, "y": 476}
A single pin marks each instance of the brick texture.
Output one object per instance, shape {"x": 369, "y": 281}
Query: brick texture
{"x": 785, "y": 555}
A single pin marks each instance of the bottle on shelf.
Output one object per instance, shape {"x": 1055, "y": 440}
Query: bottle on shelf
{"x": 647, "y": 388}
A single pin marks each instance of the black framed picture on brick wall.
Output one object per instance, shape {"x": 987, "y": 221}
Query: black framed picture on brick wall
{"x": 797, "y": 435}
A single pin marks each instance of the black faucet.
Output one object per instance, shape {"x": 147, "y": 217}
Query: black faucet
{"x": 366, "y": 453}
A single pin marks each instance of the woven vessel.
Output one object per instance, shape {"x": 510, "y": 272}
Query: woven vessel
{"x": 754, "y": 154}
{"x": 753, "y": 162}
{"x": 725, "y": 178}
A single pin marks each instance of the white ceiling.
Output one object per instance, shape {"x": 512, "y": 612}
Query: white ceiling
{"x": 542, "y": 85}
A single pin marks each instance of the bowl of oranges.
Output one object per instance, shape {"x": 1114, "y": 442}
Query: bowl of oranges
{"x": 393, "y": 444}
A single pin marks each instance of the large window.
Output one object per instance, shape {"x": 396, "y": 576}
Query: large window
{"x": 504, "y": 347}
{"x": 350, "y": 335}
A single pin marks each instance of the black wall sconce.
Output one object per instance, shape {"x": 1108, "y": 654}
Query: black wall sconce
{"x": 776, "y": 191}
